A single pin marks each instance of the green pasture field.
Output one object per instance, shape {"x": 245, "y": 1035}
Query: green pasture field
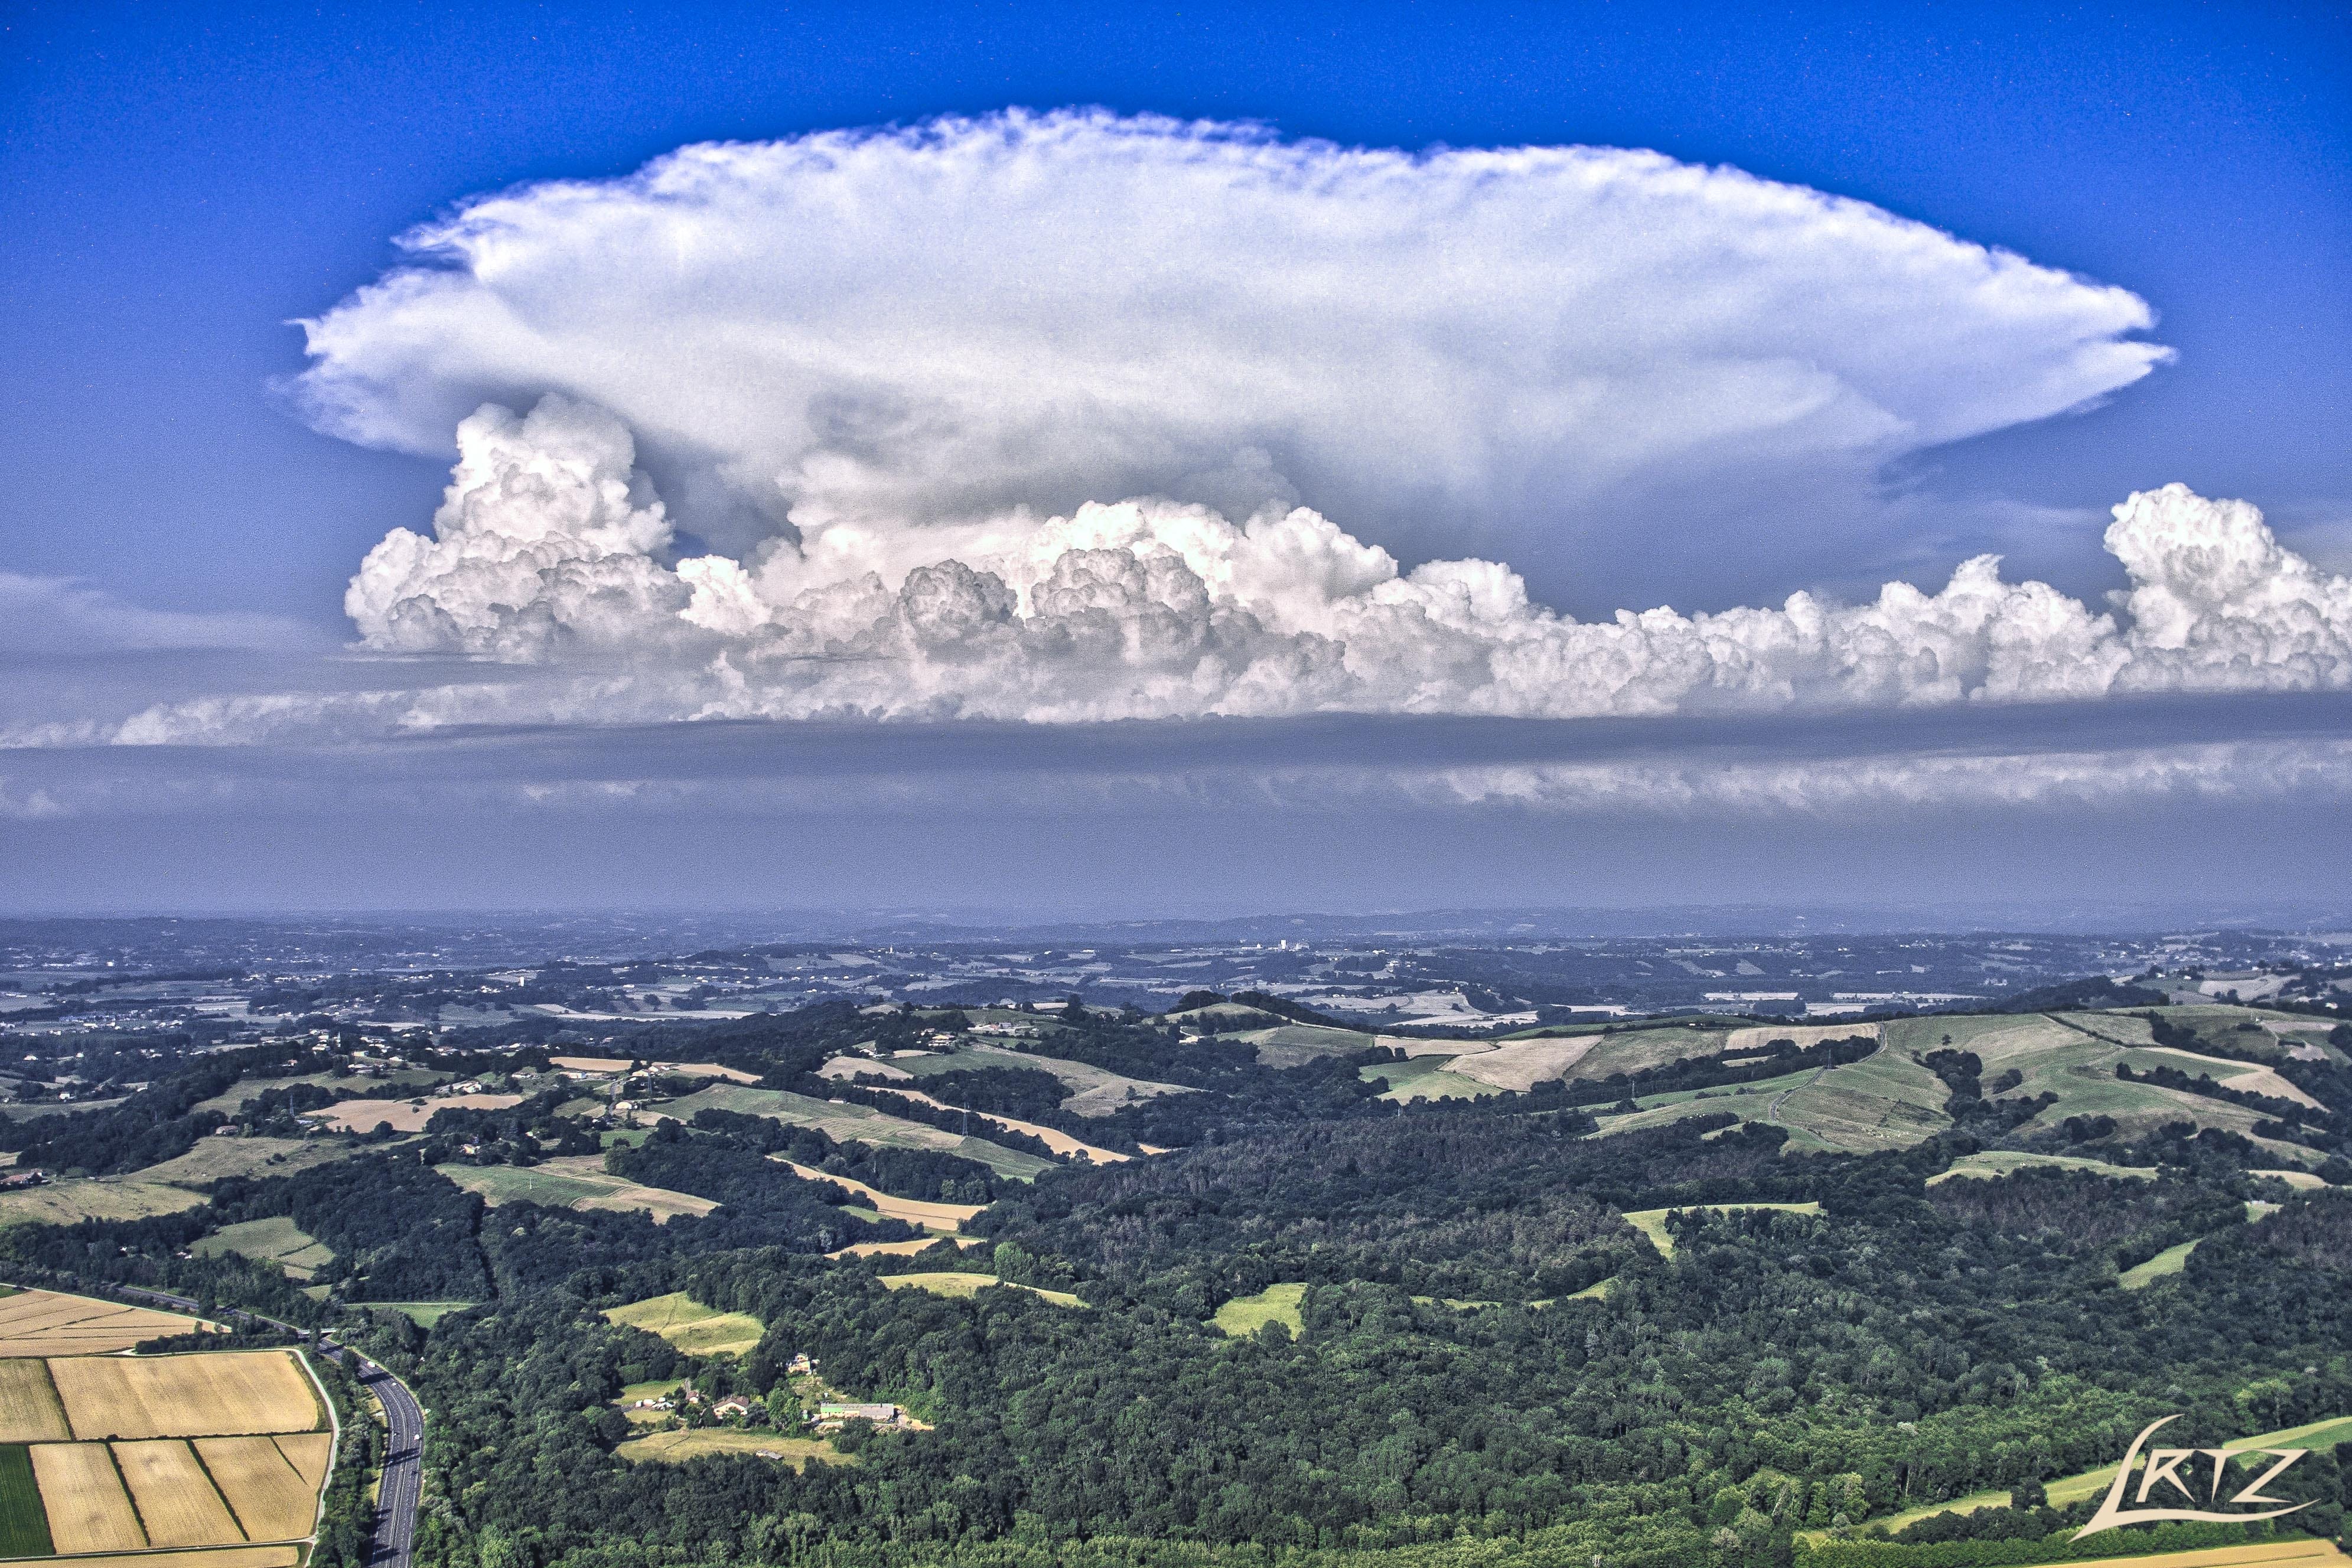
{"x": 689, "y": 1326}
{"x": 1631, "y": 1051}
{"x": 963, "y": 1287}
{"x": 12, "y": 1111}
{"x": 1886, "y": 1101}
{"x": 217, "y": 1159}
{"x": 93, "y": 1198}
{"x": 1652, "y": 1222}
{"x": 1989, "y": 1163}
{"x": 1425, "y": 1078}
{"x": 577, "y": 1181}
{"x": 859, "y": 1122}
{"x": 2171, "y": 1260}
{"x": 1297, "y": 1044}
{"x": 424, "y": 1314}
{"x": 23, "y": 1521}
{"x": 2076, "y": 1061}
{"x": 1275, "y": 1304}
{"x": 276, "y": 1239}
{"x": 375, "y": 1086}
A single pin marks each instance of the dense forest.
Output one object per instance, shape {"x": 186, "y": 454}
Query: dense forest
{"x": 1489, "y": 1365}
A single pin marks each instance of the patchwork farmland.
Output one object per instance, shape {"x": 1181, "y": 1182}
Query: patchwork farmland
{"x": 208, "y": 1459}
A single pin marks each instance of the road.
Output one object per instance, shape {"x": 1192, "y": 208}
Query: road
{"x": 404, "y": 1461}
{"x": 403, "y": 1464}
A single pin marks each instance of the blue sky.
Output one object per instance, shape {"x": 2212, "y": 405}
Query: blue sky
{"x": 177, "y": 184}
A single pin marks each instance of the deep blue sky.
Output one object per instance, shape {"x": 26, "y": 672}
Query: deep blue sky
{"x": 177, "y": 180}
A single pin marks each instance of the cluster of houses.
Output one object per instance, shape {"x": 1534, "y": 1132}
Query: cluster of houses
{"x": 827, "y": 1417}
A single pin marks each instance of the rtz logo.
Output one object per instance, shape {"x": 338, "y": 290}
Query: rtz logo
{"x": 2164, "y": 1465}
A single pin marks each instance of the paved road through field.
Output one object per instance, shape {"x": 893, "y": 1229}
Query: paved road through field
{"x": 404, "y": 1465}
{"x": 403, "y": 1457}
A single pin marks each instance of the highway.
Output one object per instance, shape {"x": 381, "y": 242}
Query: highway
{"x": 403, "y": 1464}
{"x": 404, "y": 1461}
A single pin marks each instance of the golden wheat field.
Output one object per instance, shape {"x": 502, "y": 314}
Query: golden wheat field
{"x": 220, "y": 1394}
{"x": 310, "y": 1453}
{"x": 88, "y": 1509}
{"x": 177, "y": 1501}
{"x": 218, "y": 1557}
{"x": 48, "y": 1323}
{"x": 269, "y": 1497}
{"x": 29, "y": 1411}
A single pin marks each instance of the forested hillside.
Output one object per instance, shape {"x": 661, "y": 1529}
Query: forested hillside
{"x": 1466, "y": 1353}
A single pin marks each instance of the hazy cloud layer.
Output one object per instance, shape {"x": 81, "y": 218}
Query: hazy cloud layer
{"x": 51, "y": 617}
{"x": 548, "y": 546}
{"x": 1476, "y": 352}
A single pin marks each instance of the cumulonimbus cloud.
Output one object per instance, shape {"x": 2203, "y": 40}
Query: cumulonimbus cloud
{"x": 1462, "y": 351}
{"x": 550, "y": 544}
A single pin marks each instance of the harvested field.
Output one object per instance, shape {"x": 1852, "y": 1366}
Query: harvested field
{"x": 1415, "y": 1045}
{"x": 49, "y": 1323}
{"x": 689, "y": 1326}
{"x": 962, "y": 1287}
{"x": 1990, "y": 1163}
{"x": 676, "y": 1447}
{"x": 175, "y": 1500}
{"x": 1757, "y": 1037}
{"x": 935, "y": 1216}
{"x": 273, "y": 1240}
{"x": 220, "y": 1557}
{"x": 906, "y": 1248}
{"x": 233, "y": 1392}
{"x": 88, "y": 1511}
{"x": 1061, "y": 1143}
{"x": 404, "y": 1116}
{"x": 29, "y": 1411}
{"x": 405, "y": 1081}
{"x": 1523, "y": 1063}
{"x": 2262, "y": 1554}
{"x": 308, "y": 1452}
{"x": 267, "y": 1494}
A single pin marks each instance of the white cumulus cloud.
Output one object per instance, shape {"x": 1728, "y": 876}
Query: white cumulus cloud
{"x": 1460, "y": 352}
{"x": 552, "y": 544}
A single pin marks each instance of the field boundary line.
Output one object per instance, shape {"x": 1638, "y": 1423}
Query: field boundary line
{"x": 147, "y": 1538}
{"x": 334, "y": 1442}
{"x": 219, "y": 1490}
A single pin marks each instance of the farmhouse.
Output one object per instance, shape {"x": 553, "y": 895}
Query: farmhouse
{"x": 831, "y": 1411}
